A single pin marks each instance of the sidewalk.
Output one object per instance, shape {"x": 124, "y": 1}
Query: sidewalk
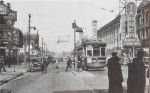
{"x": 12, "y": 73}
{"x": 100, "y": 83}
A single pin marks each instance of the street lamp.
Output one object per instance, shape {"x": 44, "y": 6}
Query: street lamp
{"x": 29, "y": 36}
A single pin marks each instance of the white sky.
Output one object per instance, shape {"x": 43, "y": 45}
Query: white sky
{"x": 54, "y": 18}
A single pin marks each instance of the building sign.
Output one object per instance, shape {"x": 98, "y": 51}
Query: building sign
{"x": 131, "y": 41}
{"x": 89, "y": 47}
{"x": 131, "y": 9}
{"x": 131, "y": 17}
{"x": 16, "y": 37}
{"x": 3, "y": 9}
{"x": 11, "y": 17}
{"x": 131, "y": 38}
{"x": 7, "y": 36}
{"x": 94, "y": 25}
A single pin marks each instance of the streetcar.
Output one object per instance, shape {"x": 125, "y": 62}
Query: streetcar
{"x": 94, "y": 52}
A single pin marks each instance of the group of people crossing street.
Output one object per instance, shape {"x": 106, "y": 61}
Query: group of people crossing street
{"x": 78, "y": 63}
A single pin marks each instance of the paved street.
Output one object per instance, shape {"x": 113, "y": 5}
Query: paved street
{"x": 62, "y": 82}
{"x": 51, "y": 82}
{"x": 56, "y": 34}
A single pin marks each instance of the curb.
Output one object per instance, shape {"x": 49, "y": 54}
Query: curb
{"x": 11, "y": 78}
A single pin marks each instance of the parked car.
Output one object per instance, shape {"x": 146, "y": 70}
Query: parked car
{"x": 36, "y": 64}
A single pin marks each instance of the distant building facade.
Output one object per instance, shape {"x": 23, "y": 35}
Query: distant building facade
{"x": 113, "y": 34}
{"x": 143, "y": 23}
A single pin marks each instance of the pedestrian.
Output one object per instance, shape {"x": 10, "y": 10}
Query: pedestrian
{"x": 2, "y": 64}
{"x": 75, "y": 61}
{"x": 49, "y": 59}
{"x": 83, "y": 63}
{"x": 45, "y": 65}
{"x": 68, "y": 63}
{"x": 114, "y": 74}
{"x": 79, "y": 63}
{"x": 57, "y": 69}
{"x": 42, "y": 68}
{"x": 136, "y": 75}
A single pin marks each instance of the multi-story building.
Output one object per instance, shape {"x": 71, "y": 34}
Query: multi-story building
{"x": 113, "y": 34}
{"x": 143, "y": 23}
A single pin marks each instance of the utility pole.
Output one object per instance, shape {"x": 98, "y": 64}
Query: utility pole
{"x": 74, "y": 42}
{"x": 42, "y": 48}
{"x": 29, "y": 38}
{"x": 46, "y": 49}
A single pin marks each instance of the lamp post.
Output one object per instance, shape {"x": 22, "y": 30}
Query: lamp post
{"x": 29, "y": 37}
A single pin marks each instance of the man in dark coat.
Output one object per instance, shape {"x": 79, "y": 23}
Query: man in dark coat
{"x": 2, "y": 64}
{"x": 115, "y": 74}
{"x": 136, "y": 75}
{"x": 68, "y": 63}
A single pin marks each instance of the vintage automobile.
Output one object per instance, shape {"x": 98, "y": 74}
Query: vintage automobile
{"x": 35, "y": 64}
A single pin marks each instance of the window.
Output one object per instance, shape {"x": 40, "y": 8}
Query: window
{"x": 89, "y": 52}
{"x": 140, "y": 20}
{"x": 147, "y": 17}
{"x": 102, "y": 51}
{"x": 96, "y": 51}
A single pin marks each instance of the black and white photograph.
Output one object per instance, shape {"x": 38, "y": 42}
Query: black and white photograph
{"x": 74, "y": 46}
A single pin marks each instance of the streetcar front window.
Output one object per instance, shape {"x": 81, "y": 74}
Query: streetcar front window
{"x": 96, "y": 51}
{"x": 102, "y": 51}
{"x": 89, "y": 52}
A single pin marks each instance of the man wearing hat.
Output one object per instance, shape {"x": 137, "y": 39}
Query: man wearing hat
{"x": 136, "y": 74}
{"x": 2, "y": 64}
{"x": 115, "y": 74}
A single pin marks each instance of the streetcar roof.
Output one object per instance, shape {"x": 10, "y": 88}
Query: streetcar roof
{"x": 93, "y": 42}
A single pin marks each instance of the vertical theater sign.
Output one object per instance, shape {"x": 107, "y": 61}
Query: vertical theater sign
{"x": 131, "y": 41}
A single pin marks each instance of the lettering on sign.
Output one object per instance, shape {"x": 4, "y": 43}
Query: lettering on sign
{"x": 7, "y": 36}
{"x": 131, "y": 9}
{"x": 131, "y": 41}
{"x": 131, "y": 12}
